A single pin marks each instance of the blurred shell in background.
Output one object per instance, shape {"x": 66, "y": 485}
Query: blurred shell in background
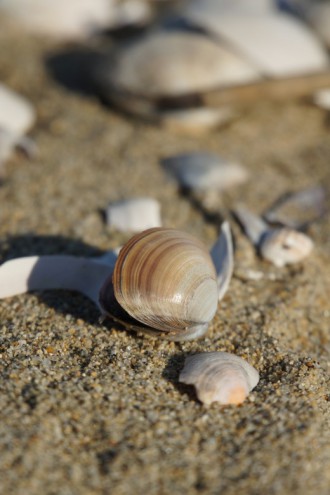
{"x": 170, "y": 64}
{"x": 315, "y": 12}
{"x": 16, "y": 116}
{"x": 74, "y": 19}
{"x": 204, "y": 171}
{"x": 134, "y": 215}
{"x": 277, "y": 44}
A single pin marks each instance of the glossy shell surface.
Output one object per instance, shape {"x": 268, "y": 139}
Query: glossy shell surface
{"x": 165, "y": 279}
{"x": 219, "y": 377}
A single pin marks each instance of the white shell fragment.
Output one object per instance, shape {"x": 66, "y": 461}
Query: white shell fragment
{"x": 17, "y": 114}
{"x": 134, "y": 215}
{"x": 66, "y": 272}
{"x": 219, "y": 377}
{"x": 280, "y": 246}
{"x": 204, "y": 171}
{"x": 278, "y": 45}
{"x": 322, "y": 98}
{"x": 222, "y": 254}
{"x": 73, "y": 19}
{"x": 16, "y": 117}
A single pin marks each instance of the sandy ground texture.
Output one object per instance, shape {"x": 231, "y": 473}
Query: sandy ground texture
{"x": 89, "y": 408}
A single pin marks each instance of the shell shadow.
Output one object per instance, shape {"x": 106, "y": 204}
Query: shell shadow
{"x": 210, "y": 217}
{"x": 62, "y": 301}
{"x": 73, "y": 69}
{"x": 171, "y": 373}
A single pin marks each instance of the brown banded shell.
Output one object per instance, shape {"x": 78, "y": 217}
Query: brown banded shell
{"x": 166, "y": 280}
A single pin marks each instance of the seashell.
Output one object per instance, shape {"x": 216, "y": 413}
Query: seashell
{"x": 16, "y": 117}
{"x": 170, "y": 301}
{"x": 197, "y": 120}
{"x": 219, "y": 377}
{"x": 276, "y": 44}
{"x": 204, "y": 171}
{"x": 322, "y": 98}
{"x": 280, "y": 246}
{"x": 75, "y": 19}
{"x": 134, "y": 215}
{"x": 162, "y": 75}
{"x": 168, "y": 64}
{"x": 315, "y": 12}
{"x": 298, "y": 209}
{"x": 166, "y": 281}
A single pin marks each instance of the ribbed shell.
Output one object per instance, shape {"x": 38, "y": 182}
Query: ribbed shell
{"x": 165, "y": 279}
{"x": 219, "y": 377}
{"x": 285, "y": 246}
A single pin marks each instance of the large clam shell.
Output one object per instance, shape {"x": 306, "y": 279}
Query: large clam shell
{"x": 276, "y": 44}
{"x": 169, "y": 64}
{"x": 219, "y": 377}
{"x": 166, "y": 279}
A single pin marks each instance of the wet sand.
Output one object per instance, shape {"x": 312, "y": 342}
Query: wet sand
{"x": 88, "y": 408}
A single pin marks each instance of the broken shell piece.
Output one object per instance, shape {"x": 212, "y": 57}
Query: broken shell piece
{"x": 298, "y": 209}
{"x": 219, "y": 377}
{"x": 280, "y": 246}
{"x": 75, "y": 19}
{"x": 134, "y": 215}
{"x": 204, "y": 171}
{"x": 55, "y": 272}
{"x": 16, "y": 117}
{"x": 322, "y": 98}
{"x": 17, "y": 114}
{"x": 276, "y": 44}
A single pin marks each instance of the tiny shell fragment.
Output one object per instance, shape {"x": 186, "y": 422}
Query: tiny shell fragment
{"x": 134, "y": 215}
{"x": 219, "y": 377}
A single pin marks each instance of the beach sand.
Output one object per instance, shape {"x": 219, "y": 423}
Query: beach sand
{"x": 88, "y": 408}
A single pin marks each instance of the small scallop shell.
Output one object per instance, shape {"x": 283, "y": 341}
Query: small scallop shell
{"x": 219, "y": 377}
{"x": 134, "y": 215}
{"x": 204, "y": 171}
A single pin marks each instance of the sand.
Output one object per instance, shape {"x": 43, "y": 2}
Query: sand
{"x": 88, "y": 408}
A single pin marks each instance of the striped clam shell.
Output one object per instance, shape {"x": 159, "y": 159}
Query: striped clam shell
{"x": 166, "y": 280}
{"x": 219, "y": 377}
